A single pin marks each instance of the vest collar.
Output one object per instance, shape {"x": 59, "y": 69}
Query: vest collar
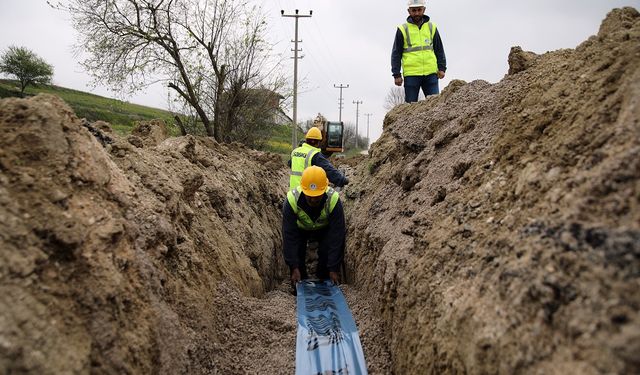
{"x": 308, "y": 145}
{"x": 425, "y": 19}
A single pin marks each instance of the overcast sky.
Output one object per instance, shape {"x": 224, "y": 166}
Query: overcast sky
{"x": 349, "y": 42}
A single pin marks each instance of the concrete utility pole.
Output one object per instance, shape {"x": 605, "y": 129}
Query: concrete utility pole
{"x": 368, "y": 141}
{"x": 340, "y": 101}
{"x": 294, "y": 126}
{"x": 357, "y": 103}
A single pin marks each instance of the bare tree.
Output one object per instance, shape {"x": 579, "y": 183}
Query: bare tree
{"x": 394, "y": 97}
{"x": 185, "y": 116}
{"x": 189, "y": 45}
{"x": 349, "y": 136}
{"x": 250, "y": 100}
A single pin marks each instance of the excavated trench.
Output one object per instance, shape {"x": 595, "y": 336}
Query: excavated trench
{"x": 494, "y": 228}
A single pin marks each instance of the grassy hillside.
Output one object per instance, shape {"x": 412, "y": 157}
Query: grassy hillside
{"x": 279, "y": 140}
{"x": 121, "y": 115}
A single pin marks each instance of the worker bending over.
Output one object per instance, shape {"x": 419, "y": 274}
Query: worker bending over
{"x": 313, "y": 210}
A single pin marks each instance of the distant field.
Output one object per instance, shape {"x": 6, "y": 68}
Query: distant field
{"x": 279, "y": 139}
{"x": 121, "y": 115}
{"x": 279, "y": 142}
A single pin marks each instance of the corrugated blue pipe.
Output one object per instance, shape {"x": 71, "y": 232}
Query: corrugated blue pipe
{"x": 328, "y": 341}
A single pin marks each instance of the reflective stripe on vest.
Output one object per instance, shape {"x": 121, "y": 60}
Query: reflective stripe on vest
{"x": 418, "y": 58}
{"x": 304, "y": 221}
{"x": 300, "y": 159}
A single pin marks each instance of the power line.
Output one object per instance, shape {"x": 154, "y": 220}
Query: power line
{"x": 294, "y": 126}
{"x": 340, "y": 100}
{"x": 329, "y": 55}
{"x": 357, "y": 103}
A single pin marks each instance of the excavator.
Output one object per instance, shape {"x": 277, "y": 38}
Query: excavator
{"x": 332, "y": 135}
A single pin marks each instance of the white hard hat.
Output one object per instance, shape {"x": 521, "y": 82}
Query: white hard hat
{"x": 416, "y": 3}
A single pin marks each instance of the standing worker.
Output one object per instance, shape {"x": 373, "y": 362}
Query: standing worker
{"x": 419, "y": 47}
{"x": 313, "y": 211}
{"x": 309, "y": 154}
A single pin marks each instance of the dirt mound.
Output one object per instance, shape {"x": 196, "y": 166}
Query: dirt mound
{"x": 492, "y": 229}
{"x": 113, "y": 253}
{"x": 500, "y": 224}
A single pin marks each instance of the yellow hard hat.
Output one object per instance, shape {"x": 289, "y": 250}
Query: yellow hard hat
{"x": 314, "y": 133}
{"x": 314, "y": 181}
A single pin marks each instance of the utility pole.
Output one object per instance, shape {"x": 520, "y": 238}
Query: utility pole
{"x": 294, "y": 126}
{"x": 357, "y": 103}
{"x": 340, "y": 101}
{"x": 368, "y": 141}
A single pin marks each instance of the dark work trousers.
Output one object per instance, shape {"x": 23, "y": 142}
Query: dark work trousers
{"x": 413, "y": 84}
{"x": 322, "y": 271}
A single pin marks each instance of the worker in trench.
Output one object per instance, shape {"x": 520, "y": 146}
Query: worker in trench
{"x": 313, "y": 211}
{"x": 309, "y": 154}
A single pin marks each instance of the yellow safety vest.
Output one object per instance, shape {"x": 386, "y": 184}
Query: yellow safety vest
{"x": 300, "y": 159}
{"x": 418, "y": 58}
{"x": 304, "y": 221}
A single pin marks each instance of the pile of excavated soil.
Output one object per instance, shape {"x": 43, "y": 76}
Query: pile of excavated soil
{"x": 499, "y": 224}
{"x": 142, "y": 254}
{"x": 113, "y": 248}
{"x": 492, "y": 229}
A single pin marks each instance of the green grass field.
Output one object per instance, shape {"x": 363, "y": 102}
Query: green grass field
{"x": 121, "y": 115}
{"x": 279, "y": 139}
{"x": 280, "y": 143}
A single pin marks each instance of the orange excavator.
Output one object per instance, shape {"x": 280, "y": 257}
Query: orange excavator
{"x": 332, "y": 135}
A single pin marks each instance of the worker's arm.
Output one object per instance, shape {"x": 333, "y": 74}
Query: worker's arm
{"x": 290, "y": 235}
{"x": 335, "y": 176}
{"x": 438, "y": 49}
{"x": 396, "y": 54}
{"x": 335, "y": 238}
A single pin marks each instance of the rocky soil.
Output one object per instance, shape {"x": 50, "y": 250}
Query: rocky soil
{"x": 494, "y": 228}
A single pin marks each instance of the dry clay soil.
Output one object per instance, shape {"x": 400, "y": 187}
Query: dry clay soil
{"x": 494, "y": 228}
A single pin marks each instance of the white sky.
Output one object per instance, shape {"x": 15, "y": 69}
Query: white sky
{"x": 349, "y": 42}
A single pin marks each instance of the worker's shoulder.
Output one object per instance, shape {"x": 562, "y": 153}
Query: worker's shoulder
{"x": 319, "y": 156}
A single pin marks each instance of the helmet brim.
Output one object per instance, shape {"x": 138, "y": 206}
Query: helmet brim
{"x": 313, "y": 193}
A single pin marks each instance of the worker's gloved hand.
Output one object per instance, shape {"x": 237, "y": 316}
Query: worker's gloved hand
{"x": 334, "y": 277}
{"x": 295, "y": 276}
{"x": 346, "y": 181}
